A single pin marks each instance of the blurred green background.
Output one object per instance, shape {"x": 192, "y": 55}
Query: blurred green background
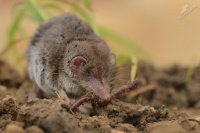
{"x": 163, "y": 31}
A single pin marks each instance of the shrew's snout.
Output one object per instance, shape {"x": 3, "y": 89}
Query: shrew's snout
{"x": 99, "y": 89}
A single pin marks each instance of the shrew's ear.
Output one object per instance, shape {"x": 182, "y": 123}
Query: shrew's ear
{"x": 76, "y": 63}
{"x": 112, "y": 59}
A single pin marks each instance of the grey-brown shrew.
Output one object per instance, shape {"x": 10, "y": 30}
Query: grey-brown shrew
{"x": 66, "y": 59}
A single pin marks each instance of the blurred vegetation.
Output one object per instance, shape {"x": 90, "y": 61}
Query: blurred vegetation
{"x": 191, "y": 69}
{"x": 41, "y": 11}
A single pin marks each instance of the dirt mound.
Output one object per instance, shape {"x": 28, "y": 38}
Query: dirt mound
{"x": 168, "y": 86}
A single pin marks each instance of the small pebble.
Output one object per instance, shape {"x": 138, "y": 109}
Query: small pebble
{"x": 12, "y": 128}
{"x": 3, "y": 88}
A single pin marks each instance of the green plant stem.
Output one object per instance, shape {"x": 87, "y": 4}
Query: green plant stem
{"x": 123, "y": 44}
{"x": 8, "y": 47}
{"x": 36, "y": 9}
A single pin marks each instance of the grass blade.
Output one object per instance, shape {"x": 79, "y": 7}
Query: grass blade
{"x": 77, "y": 9}
{"x": 54, "y": 8}
{"x": 134, "y": 61}
{"x": 35, "y": 11}
{"x": 14, "y": 27}
{"x": 123, "y": 45}
{"x": 88, "y": 4}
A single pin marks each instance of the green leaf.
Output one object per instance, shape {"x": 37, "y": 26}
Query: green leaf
{"x": 123, "y": 45}
{"x": 134, "y": 61}
{"x": 88, "y": 4}
{"x": 121, "y": 59}
{"x": 17, "y": 7}
{"x": 79, "y": 11}
{"x": 35, "y": 11}
{"x": 87, "y": 17}
{"x": 15, "y": 27}
{"x": 76, "y": 8}
{"x": 54, "y": 8}
{"x": 191, "y": 69}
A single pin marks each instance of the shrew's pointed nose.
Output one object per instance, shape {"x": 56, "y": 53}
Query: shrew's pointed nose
{"x": 101, "y": 90}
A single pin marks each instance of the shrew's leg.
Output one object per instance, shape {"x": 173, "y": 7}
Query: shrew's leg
{"x": 35, "y": 92}
{"x": 62, "y": 95}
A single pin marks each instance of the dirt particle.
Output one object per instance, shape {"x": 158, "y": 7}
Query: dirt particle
{"x": 8, "y": 105}
{"x": 34, "y": 129}
{"x": 12, "y": 128}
